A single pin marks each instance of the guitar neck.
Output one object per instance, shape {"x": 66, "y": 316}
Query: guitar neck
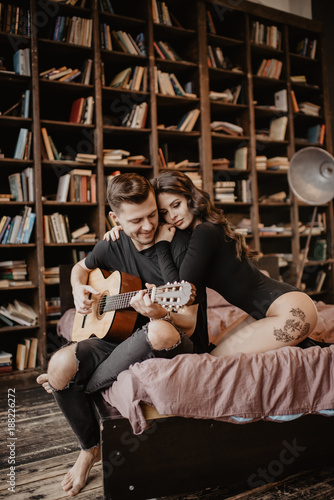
{"x": 118, "y": 302}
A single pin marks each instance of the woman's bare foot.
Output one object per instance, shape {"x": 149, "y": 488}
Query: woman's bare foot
{"x": 43, "y": 379}
{"x": 77, "y": 476}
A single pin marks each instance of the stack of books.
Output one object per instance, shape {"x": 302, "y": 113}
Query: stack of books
{"x": 115, "y": 157}
{"x": 220, "y": 162}
{"x": 13, "y": 273}
{"x": 226, "y": 128}
{"x": 19, "y": 313}
{"x": 228, "y": 95}
{"x": 51, "y": 275}
{"x": 309, "y": 108}
{"x": 83, "y": 234}
{"x": 62, "y": 74}
{"x": 52, "y": 308}
{"x": 261, "y": 162}
{"x": 224, "y": 191}
{"x": 244, "y": 226}
{"x": 89, "y": 158}
{"x": 6, "y": 358}
{"x": 278, "y": 163}
{"x": 196, "y": 178}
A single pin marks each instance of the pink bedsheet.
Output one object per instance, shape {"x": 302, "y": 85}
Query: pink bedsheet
{"x": 286, "y": 381}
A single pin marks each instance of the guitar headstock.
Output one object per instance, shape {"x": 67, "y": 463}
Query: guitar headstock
{"x": 172, "y": 296}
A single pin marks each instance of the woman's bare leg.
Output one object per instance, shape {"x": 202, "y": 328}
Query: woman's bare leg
{"x": 289, "y": 320}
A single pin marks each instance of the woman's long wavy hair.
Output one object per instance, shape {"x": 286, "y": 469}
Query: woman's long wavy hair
{"x": 200, "y": 205}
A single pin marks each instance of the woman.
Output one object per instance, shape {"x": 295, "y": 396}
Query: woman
{"x": 278, "y": 313}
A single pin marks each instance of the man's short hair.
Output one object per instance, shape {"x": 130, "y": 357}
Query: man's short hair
{"x": 128, "y": 188}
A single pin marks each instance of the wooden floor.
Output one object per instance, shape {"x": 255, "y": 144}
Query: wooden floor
{"x": 45, "y": 448}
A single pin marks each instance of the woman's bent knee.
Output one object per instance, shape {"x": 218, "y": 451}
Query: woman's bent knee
{"x": 62, "y": 367}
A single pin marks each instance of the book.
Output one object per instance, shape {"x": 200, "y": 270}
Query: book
{"x": 80, "y": 231}
{"x": 32, "y": 357}
{"x": 63, "y": 188}
{"x": 5, "y": 357}
{"x": 192, "y": 121}
{"x": 119, "y": 80}
{"x": 281, "y": 100}
{"x": 20, "y": 144}
{"x": 313, "y": 133}
{"x": 15, "y": 186}
{"x": 240, "y": 158}
{"x": 76, "y": 110}
{"x": 20, "y": 356}
{"x": 295, "y": 106}
{"x": 277, "y": 128}
{"x": 47, "y": 144}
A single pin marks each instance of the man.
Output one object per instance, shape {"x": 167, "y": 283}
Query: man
{"x": 79, "y": 369}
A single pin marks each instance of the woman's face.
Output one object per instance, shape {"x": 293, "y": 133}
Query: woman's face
{"x": 174, "y": 209}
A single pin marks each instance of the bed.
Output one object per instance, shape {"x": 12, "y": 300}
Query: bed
{"x": 181, "y": 425}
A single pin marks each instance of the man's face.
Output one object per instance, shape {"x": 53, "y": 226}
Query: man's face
{"x": 139, "y": 221}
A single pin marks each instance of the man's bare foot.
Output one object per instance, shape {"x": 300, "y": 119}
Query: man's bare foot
{"x": 44, "y": 381}
{"x": 76, "y": 477}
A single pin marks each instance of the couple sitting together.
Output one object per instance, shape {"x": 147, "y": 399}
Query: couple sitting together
{"x": 195, "y": 244}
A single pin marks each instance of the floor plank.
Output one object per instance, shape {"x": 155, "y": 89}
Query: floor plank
{"x": 46, "y": 448}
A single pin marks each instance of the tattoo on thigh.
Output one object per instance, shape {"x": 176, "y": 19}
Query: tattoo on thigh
{"x": 282, "y": 335}
{"x": 299, "y": 313}
{"x": 291, "y": 327}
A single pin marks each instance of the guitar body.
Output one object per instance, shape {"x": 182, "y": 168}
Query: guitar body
{"x": 114, "y": 326}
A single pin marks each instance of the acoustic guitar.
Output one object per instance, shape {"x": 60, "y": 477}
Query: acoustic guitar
{"x": 112, "y": 317}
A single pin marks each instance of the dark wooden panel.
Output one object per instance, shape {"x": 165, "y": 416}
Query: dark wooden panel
{"x": 179, "y": 455}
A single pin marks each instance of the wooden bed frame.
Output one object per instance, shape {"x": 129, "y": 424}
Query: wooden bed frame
{"x": 182, "y": 455}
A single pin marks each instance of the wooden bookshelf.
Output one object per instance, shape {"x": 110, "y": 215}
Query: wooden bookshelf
{"x": 190, "y": 37}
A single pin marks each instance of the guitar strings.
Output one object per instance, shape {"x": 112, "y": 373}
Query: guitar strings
{"x": 114, "y": 302}
{"x": 122, "y": 301}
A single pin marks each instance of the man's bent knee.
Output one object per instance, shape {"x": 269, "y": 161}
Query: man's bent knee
{"x": 162, "y": 335}
{"x": 62, "y": 367}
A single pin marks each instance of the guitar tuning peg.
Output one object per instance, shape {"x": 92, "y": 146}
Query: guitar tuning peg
{"x": 182, "y": 281}
{"x": 168, "y": 282}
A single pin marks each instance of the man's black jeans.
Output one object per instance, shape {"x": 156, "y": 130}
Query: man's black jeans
{"x": 99, "y": 364}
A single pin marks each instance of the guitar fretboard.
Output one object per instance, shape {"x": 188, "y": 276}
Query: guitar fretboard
{"x": 117, "y": 302}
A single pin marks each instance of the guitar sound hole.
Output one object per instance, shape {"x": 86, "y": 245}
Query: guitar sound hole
{"x": 101, "y": 306}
